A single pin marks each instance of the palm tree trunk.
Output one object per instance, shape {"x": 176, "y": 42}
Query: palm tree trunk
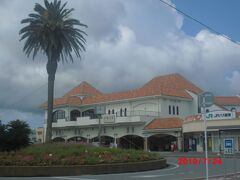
{"x": 51, "y": 69}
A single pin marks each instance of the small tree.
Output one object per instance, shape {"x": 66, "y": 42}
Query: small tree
{"x": 2, "y": 137}
{"x": 14, "y": 135}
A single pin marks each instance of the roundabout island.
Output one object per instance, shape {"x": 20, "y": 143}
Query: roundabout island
{"x": 74, "y": 159}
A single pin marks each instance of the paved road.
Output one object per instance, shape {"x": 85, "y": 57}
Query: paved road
{"x": 173, "y": 172}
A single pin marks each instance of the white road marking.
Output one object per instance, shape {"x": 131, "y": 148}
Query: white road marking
{"x": 72, "y": 178}
{"x": 174, "y": 164}
{"x": 152, "y": 176}
{"x": 160, "y": 175}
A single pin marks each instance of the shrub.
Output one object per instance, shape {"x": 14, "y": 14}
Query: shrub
{"x": 71, "y": 154}
{"x": 14, "y": 135}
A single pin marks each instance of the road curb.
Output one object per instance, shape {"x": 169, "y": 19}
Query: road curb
{"x": 31, "y": 171}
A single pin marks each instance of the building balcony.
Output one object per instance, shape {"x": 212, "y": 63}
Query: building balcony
{"x": 132, "y": 117}
{"x": 81, "y": 121}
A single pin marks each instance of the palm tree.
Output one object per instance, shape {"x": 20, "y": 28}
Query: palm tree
{"x": 50, "y": 30}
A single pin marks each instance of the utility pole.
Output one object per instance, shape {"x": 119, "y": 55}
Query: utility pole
{"x": 205, "y": 136}
{"x": 205, "y": 100}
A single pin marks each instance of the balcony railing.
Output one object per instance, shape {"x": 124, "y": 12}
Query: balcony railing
{"x": 93, "y": 119}
{"x": 138, "y": 113}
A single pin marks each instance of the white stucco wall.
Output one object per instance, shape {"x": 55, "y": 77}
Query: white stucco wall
{"x": 184, "y": 107}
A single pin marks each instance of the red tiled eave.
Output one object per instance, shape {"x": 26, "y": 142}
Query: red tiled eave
{"x": 165, "y": 123}
{"x": 227, "y": 100}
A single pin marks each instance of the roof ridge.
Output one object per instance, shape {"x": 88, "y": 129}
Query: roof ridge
{"x": 83, "y": 88}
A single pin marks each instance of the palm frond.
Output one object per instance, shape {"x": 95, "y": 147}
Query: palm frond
{"x": 50, "y": 30}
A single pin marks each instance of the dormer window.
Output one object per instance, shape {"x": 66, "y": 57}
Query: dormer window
{"x": 177, "y": 110}
{"x": 121, "y": 112}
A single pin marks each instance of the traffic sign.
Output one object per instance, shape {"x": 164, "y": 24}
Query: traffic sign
{"x": 206, "y": 99}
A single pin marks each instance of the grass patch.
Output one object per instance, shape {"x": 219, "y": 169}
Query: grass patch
{"x": 71, "y": 154}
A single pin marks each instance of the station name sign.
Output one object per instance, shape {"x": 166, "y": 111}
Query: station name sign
{"x": 216, "y": 115}
{"x": 108, "y": 118}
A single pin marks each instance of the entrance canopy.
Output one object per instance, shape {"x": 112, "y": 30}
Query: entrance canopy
{"x": 171, "y": 126}
{"x": 212, "y": 125}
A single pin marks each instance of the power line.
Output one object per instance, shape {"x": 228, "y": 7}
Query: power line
{"x": 199, "y": 22}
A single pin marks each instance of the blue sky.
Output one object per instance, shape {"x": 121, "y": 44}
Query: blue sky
{"x": 222, "y": 16}
{"x": 128, "y": 44}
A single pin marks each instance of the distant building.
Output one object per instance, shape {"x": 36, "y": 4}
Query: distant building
{"x": 32, "y": 136}
{"x": 153, "y": 117}
{"x": 40, "y": 135}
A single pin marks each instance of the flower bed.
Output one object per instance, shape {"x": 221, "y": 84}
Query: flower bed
{"x": 71, "y": 154}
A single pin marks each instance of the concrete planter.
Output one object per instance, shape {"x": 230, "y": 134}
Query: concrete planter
{"x": 24, "y": 171}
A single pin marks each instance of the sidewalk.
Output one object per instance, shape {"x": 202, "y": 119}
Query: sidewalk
{"x": 195, "y": 154}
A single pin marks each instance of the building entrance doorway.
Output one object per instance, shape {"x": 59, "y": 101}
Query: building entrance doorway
{"x": 162, "y": 142}
{"x": 131, "y": 142}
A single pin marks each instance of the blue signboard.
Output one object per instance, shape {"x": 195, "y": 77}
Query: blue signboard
{"x": 228, "y": 143}
{"x": 228, "y": 146}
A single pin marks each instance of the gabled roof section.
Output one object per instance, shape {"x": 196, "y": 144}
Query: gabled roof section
{"x": 83, "y": 89}
{"x": 165, "y": 123}
{"x": 227, "y": 100}
{"x": 171, "y": 85}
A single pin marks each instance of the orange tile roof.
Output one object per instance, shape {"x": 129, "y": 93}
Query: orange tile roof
{"x": 168, "y": 85}
{"x": 191, "y": 118}
{"x": 83, "y": 88}
{"x": 172, "y": 85}
{"x": 165, "y": 123}
{"x": 227, "y": 100}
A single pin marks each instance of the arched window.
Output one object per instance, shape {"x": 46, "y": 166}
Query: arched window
{"x": 89, "y": 113}
{"x": 59, "y": 114}
{"x": 207, "y": 110}
{"x": 125, "y": 112}
{"x": 74, "y": 114}
{"x": 109, "y": 111}
{"x": 112, "y": 111}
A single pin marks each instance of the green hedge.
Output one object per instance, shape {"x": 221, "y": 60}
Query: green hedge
{"x": 71, "y": 154}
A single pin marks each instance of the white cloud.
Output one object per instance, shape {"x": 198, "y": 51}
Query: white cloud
{"x": 234, "y": 80}
{"x": 129, "y": 42}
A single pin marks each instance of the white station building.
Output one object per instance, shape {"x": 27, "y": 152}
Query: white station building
{"x": 161, "y": 114}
